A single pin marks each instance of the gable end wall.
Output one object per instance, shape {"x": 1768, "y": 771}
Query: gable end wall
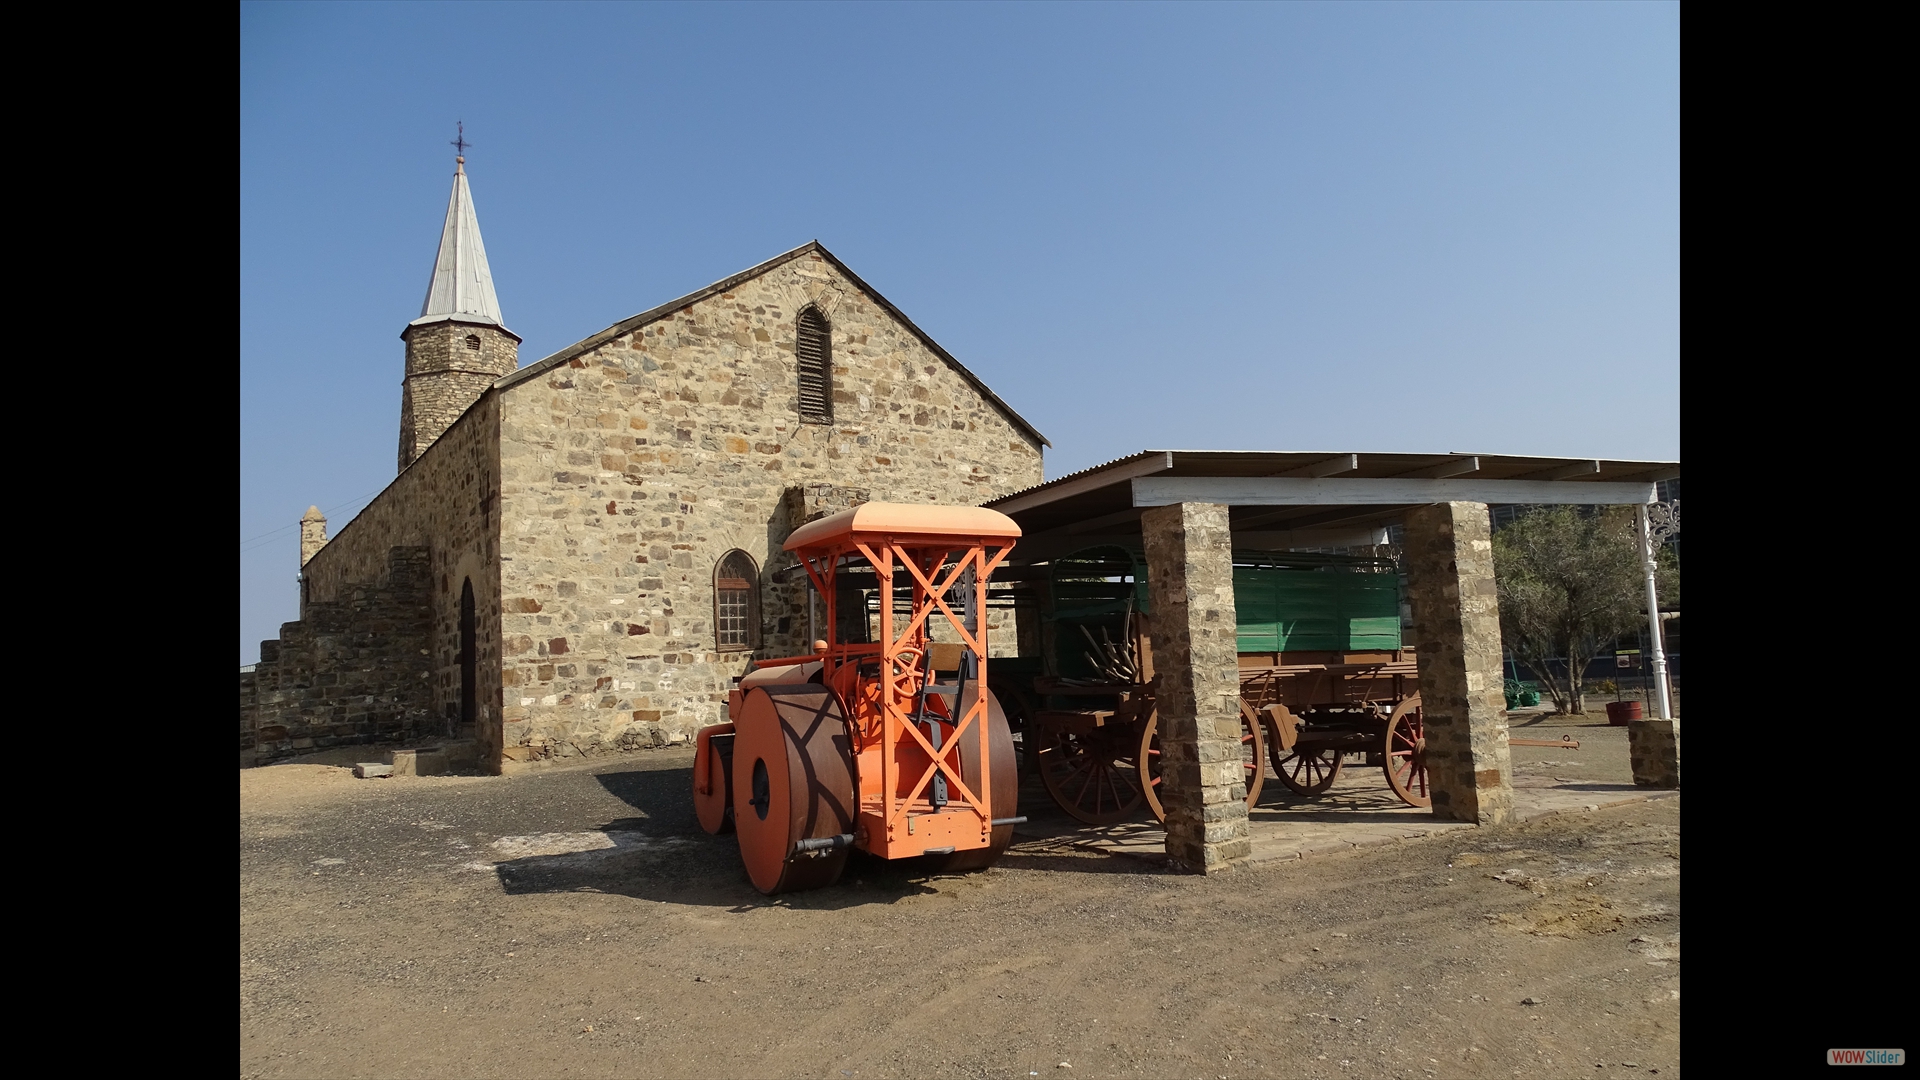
{"x": 628, "y": 471}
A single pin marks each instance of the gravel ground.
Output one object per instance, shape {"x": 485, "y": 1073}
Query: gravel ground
{"x": 574, "y": 921}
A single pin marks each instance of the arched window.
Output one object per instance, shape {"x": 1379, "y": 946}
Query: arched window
{"x": 814, "y": 350}
{"x": 736, "y": 602}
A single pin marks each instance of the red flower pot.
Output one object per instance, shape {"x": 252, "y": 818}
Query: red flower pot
{"x": 1619, "y": 712}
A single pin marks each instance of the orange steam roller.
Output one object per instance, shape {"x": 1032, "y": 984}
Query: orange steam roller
{"x": 895, "y": 746}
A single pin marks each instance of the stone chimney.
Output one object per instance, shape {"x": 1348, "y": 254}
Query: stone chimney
{"x": 313, "y": 535}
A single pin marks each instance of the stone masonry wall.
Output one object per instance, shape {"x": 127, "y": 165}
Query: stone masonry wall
{"x": 352, "y": 670}
{"x": 446, "y": 502}
{"x": 627, "y": 474}
{"x": 444, "y": 376}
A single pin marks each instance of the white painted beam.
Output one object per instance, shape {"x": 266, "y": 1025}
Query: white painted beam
{"x": 1282, "y": 539}
{"x": 1330, "y": 467}
{"x": 1154, "y": 463}
{"x": 1292, "y": 491}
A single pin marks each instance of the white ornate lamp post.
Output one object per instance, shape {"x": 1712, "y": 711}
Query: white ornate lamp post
{"x": 1658, "y": 523}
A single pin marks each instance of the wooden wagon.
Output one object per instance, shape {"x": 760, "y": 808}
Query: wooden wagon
{"x": 1323, "y": 674}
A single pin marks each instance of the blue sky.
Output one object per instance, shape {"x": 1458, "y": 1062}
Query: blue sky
{"x": 1420, "y": 227}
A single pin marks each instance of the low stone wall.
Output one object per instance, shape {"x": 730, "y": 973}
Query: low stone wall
{"x": 356, "y": 670}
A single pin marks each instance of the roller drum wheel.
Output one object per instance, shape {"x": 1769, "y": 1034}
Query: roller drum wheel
{"x": 1005, "y": 792}
{"x": 1019, "y": 709}
{"x": 714, "y": 807}
{"x": 792, "y": 781}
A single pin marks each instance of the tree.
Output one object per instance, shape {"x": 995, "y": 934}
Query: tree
{"x": 1570, "y": 584}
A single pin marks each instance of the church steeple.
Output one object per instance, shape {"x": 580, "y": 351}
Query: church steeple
{"x": 458, "y": 346}
{"x": 462, "y": 282}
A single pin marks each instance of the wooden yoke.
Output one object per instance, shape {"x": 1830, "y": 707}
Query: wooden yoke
{"x": 921, "y": 791}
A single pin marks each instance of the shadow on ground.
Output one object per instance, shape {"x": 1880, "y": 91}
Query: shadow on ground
{"x": 660, "y": 853}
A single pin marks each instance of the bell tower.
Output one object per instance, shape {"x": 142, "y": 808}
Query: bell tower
{"x": 459, "y": 345}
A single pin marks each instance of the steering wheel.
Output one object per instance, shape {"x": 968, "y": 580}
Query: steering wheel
{"x": 909, "y": 658}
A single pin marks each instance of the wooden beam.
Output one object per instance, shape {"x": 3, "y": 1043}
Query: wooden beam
{"x": 1331, "y": 467}
{"x": 1044, "y": 548}
{"x": 1089, "y": 525}
{"x": 1159, "y": 461}
{"x": 1564, "y": 472}
{"x": 1403, "y": 491}
{"x": 1452, "y": 466}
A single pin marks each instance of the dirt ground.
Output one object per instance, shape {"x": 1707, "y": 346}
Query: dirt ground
{"x": 574, "y": 921}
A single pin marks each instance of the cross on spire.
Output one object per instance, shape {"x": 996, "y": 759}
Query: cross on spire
{"x": 460, "y": 142}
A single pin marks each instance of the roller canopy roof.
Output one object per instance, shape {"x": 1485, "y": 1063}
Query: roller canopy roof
{"x": 903, "y": 521}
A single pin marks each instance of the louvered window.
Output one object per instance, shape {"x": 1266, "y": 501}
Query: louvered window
{"x": 736, "y": 612}
{"x": 473, "y": 342}
{"x": 815, "y": 353}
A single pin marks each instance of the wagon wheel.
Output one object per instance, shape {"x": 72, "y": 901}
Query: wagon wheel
{"x": 1304, "y": 771}
{"x": 1253, "y": 745}
{"x": 1307, "y": 771}
{"x": 1091, "y": 775}
{"x": 1406, "y": 754}
{"x": 1253, "y": 754}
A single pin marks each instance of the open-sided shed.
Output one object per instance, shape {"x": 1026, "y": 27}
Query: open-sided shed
{"x": 1189, "y": 510}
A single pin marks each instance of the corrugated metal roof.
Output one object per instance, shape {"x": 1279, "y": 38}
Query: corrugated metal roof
{"x": 1290, "y": 499}
{"x": 1351, "y": 464}
{"x": 462, "y": 285}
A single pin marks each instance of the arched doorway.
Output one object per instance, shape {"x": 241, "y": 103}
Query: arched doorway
{"x": 469, "y": 663}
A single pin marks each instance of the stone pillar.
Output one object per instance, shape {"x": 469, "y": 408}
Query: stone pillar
{"x": 1196, "y": 659}
{"x": 1654, "y": 748}
{"x": 313, "y": 535}
{"x": 1456, "y": 616}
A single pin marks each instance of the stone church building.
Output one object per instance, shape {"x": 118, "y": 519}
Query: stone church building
{"x": 580, "y": 554}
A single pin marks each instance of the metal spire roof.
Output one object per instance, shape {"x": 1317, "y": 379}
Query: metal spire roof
{"x": 462, "y": 286}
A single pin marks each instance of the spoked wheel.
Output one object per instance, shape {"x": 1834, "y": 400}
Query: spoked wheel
{"x": 1253, "y": 748}
{"x": 1406, "y": 754}
{"x": 1004, "y": 793}
{"x": 792, "y": 781}
{"x": 1253, "y": 752}
{"x": 1092, "y": 775}
{"x": 1306, "y": 771}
